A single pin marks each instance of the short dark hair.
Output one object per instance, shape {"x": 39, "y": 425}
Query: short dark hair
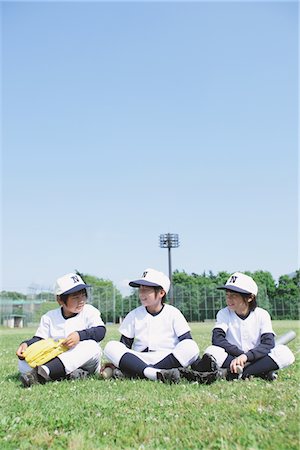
{"x": 157, "y": 289}
{"x": 253, "y": 303}
{"x": 64, "y": 297}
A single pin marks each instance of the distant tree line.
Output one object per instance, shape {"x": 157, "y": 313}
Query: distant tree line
{"x": 198, "y": 298}
{"x": 195, "y": 295}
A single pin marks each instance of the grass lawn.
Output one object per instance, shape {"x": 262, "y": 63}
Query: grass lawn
{"x": 139, "y": 414}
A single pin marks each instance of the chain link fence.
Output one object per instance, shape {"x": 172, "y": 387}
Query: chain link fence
{"x": 197, "y": 303}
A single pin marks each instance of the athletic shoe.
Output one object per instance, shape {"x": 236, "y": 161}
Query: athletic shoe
{"x": 240, "y": 371}
{"x": 168, "y": 376}
{"x": 42, "y": 373}
{"x": 31, "y": 378}
{"x": 118, "y": 374}
{"x": 207, "y": 363}
{"x": 270, "y": 376}
{"x": 78, "y": 374}
{"x": 222, "y": 374}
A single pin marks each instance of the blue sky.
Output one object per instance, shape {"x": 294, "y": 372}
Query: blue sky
{"x": 125, "y": 120}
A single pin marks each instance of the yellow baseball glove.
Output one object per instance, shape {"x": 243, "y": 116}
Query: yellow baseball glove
{"x": 43, "y": 351}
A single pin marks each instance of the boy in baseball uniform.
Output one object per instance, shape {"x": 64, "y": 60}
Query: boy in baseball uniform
{"x": 81, "y": 327}
{"x": 155, "y": 337}
{"x": 243, "y": 337}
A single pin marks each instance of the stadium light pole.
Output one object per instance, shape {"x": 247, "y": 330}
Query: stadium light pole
{"x": 169, "y": 240}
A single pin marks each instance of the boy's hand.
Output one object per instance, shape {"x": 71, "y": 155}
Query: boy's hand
{"x": 72, "y": 340}
{"x": 20, "y": 350}
{"x": 238, "y": 361}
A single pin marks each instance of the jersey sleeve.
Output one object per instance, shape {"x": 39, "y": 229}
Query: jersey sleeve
{"x": 43, "y": 330}
{"x": 94, "y": 333}
{"x": 184, "y": 336}
{"x": 265, "y": 322}
{"x": 219, "y": 339}
{"x": 267, "y": 342}
{"x": 222, "y": 320}
{"x": 128, "y": 342}
{"x": 127, "y": 327}
{"x": 180, "y": 323}
{"x": 93, "y": 317}
{"x": 32, "y": 340}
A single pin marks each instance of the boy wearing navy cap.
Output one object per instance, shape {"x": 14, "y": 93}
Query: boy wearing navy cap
{"x": 81, "y": 327}
{"x": 243, "y": 337}
{"x": 155, "y": 337}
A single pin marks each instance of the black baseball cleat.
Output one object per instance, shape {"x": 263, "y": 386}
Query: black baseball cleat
{"x": 230, "y": 376}
{"x": 168, "y": 376}
{"x": 222, "y": 373}
{"x": 78, "y": 374}
{"x": 118, "y": 374}
{"x": 31, "y": 378}
{"x": 201, "y": 377}
{"x": 207, "y": 363}
{"x": 270, "y": 376}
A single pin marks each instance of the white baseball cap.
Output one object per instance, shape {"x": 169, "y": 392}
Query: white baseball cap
{"x": 240, "y": 282}
{"x": 69, "y": 283}
{"x": 152, "y": 277}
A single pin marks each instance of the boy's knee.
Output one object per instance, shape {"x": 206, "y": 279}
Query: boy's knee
{"x": 111, "y": 348}
{"x": 282, "y": 355}
{"x": 218, "y": 353}
{"x": 91, "y": 348}
{"x": 186, "y": 352}
{"x": 114, "y": 351}
{"x": 95, "y": 346}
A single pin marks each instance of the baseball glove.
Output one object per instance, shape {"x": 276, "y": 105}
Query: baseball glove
{"x": 199, "y": 377}
{"x": 204, "y": 370}
{"x": 207, "y": 363}
{"x": 43, "y": 351}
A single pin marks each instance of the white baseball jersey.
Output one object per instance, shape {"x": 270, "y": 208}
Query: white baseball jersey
{"x": 245, "y": 334}
{"x": 159, "y": 332}
{"x": 54, "y": 325}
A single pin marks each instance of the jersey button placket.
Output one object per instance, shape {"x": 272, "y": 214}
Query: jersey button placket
{"x": 149, "y": 330}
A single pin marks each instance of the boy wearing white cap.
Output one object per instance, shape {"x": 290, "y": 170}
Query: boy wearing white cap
{"x": 243, "y": 337}
{"x": 81, "y": 327}
{"x": 155, "y": 337}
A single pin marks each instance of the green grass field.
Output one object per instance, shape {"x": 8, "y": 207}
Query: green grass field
{"x": 140, "y": 414}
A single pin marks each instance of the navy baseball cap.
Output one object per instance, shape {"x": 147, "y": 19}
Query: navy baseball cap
{"x": 152, "y": 277}
{"x": 239, "y": 282}
{"x": 70, "y": 283}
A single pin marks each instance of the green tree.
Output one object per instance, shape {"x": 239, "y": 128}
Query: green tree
{"x": 46, "y": 296}
{"x": 265, "y": 279}
{"x": 12, "y": 295}
{"x": 104, "y": 296}
{"x": 266, "y": 288}
{"x": 286, "y": 300}
{"x": 197, "y": 295}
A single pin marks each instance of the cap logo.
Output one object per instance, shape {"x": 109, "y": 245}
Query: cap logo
{"x": 75, "y": 279}
{"x": 144, "y": 274}
{"x": 233, "y": 279}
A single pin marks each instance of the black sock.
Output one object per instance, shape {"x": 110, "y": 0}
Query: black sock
{"x": 262, "y": 366}
{"x": 56, "y": 368}
{"x": 132, "y": 365}
{"x": 169, "y": 362}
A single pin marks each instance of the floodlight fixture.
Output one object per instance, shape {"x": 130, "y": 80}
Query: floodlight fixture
{"x": 169, "y": 240}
